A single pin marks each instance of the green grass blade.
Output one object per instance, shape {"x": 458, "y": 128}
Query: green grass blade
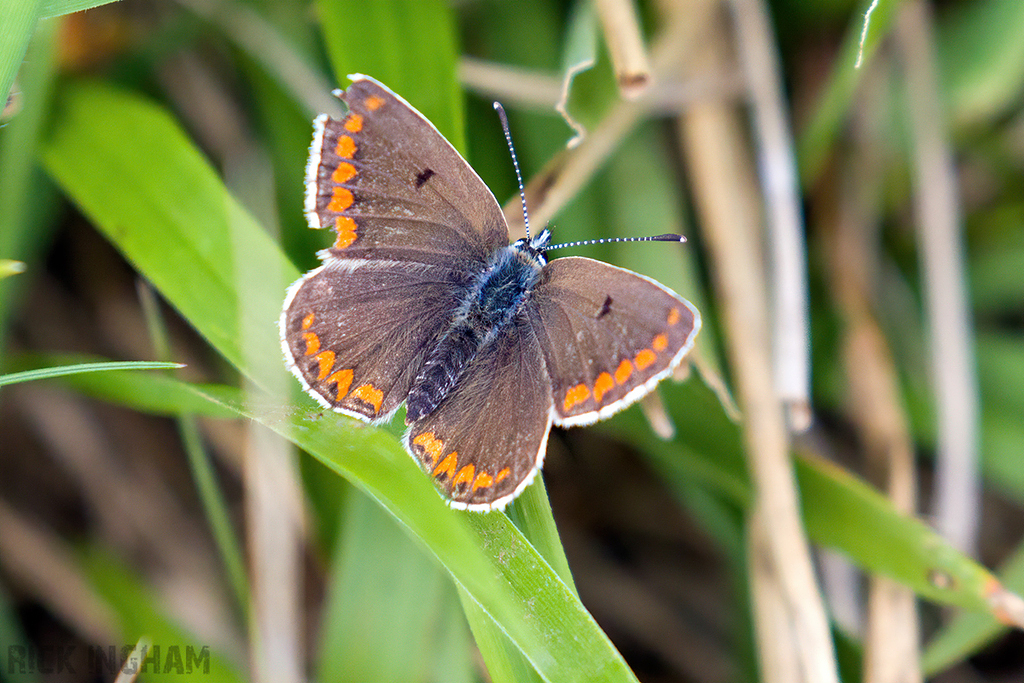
{"x": 819, "y": 135}
{"x": 173, "y": 220}
{"x": 505, "y": 663}
{"x": 56, "y": 8}
{"x": 840, "y": 511}
{"x": 80, "y": 368}
{"x": 26, "y": 195}
{"x": 16, "y": 29}
{"x": 970, "y": 631}
{"x": 148, "y": 392}
{"x": 981, "y": 59}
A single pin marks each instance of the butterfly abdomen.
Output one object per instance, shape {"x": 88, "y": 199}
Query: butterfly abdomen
{"x": 441, "y": 371}
{"x": 487, "y": 311}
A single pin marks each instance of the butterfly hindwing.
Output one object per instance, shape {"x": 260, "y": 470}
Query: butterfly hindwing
{"x": 393, "y": 188}
{"x": 485, "y": 442}
{"x": 609, "y": 336}
{"x": 355, "y": 332}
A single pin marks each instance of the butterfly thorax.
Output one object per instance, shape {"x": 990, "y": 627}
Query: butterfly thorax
{"x": 498, "y": 295}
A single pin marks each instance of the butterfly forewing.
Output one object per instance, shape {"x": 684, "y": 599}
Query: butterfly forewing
{"x": 608, "y": 336}
{"x": 393, "y": 188}
{"x": 485, "y": 442}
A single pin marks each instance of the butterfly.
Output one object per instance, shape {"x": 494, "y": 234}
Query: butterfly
{"x": 422, "y": 300}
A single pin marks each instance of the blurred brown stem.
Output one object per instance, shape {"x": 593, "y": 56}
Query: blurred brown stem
{"x": 891, "y": 639}
{"x": 792, "y": 626}
{"x": 938, "y": 222}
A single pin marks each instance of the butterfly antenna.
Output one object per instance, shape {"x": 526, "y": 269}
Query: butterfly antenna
{"x": 668, "y": 237}
{"x": 515, "y": 163}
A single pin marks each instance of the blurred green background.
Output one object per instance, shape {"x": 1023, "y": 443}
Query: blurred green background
{"x": 151, "y": 165}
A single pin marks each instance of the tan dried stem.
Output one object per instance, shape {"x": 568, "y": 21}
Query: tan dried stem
{"x": 792, "y": 626}
{"x": 757, "y": 52}
{"x": 510, "y": 84}
{"x": 566, "y": 173}
{"x": 273, "y": 515}
{"x": 938, "y": 222}
{"x": 625, "y": 46}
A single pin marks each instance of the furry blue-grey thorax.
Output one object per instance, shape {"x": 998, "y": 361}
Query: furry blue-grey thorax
{"x": 495, "y": 299}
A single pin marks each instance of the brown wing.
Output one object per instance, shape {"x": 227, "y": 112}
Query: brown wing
{"x": 393, "y": 188}
{"x": 608, "y": 334}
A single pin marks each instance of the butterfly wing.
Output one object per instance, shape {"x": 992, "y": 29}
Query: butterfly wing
{"x": 414, "y": 223}
{"x": 485, "y": 442}
{"x": 608, "y": 334}
{"x": 354, "y": 332}
{"x": 393, "y": 188}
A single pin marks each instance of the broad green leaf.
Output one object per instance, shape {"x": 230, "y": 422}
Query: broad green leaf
{"x": 383, "y": 590}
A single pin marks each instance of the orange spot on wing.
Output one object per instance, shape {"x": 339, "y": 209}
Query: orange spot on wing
{"x": 464, "y": 476}
{"x": 447, "y": 466}
{"x": 341, "y": 199}
{"x": 373, "y": 103}
{"x": 307, "y": 322}
{"x": 354, "y": 123}
{"x": 483, "y": 480}
{"x": 623, "y": 372}
{"x": 346, "y": 147}
{"x": 429, "y": 442}
{"x": 660, "y": 343}
{"x": 371, "y": 395}
{"x": 673, "y": 317}
{"x": 602, "y": 385}
{"x": 346, "y": 228}
{"x": 344, "y": 173}
{"x": 644, "y": 359}
{"x": 502, "y": 474}
{"x": 343, "y": 378}
{"x": 578, "y": 394}
{"x": 326, "y": 361}
{"x": 312, "y": 343}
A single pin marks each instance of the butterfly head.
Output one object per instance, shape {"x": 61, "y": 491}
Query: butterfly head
{"x": 534, "y": 247}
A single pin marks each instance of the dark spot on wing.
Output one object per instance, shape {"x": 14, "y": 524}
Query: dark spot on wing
{"x": 606, "y": 307}
{"x": 423, "y": 176}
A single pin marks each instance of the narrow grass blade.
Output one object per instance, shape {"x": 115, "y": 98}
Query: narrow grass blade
{"x": 79, "y": 368}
